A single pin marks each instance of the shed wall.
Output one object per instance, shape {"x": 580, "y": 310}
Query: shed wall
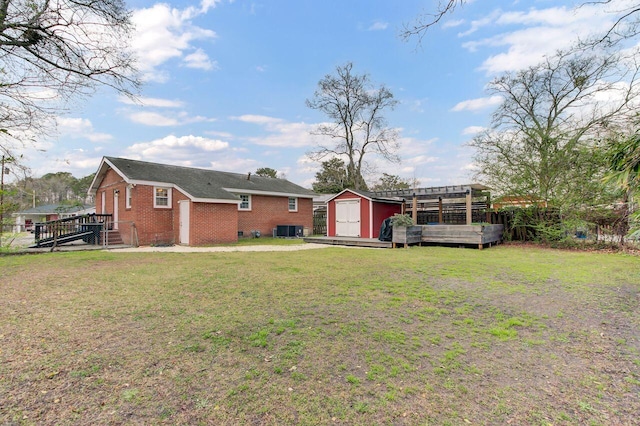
{"x": 381, "y": 211}
{"x": 331, "y": 213}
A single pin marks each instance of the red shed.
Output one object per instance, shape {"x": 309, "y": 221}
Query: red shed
{"x": 355, "y": 213}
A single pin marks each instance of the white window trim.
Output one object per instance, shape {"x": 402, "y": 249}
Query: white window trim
{"x": 240, "y": 203}
{"x": 168, "y": 206}
{"x": 127, "y": 197}
{"x": 295, "y": 209}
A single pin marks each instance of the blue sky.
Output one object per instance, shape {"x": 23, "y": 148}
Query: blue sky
{"x": 226, "y": 82}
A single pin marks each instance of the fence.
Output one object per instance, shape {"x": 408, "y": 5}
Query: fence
{"x": 320, "y": 222}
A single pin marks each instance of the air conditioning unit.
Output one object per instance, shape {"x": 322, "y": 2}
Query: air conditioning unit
{"x": 289, "y": 231}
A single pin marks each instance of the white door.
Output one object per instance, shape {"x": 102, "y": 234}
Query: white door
{"x": 348, "y": 218}
{"x": 116, "y": 197}
{"x": 184, "y": 222}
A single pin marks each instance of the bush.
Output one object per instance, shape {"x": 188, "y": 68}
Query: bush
{"x": 402, "y": 220}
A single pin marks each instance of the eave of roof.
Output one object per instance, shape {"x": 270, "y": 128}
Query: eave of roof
{"x": 369, "y": 196}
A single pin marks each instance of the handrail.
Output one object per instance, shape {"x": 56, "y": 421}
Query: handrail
{"x": 55, "y": 230}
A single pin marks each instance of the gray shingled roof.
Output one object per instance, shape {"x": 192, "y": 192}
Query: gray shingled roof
{"x": 204, "y": 183}
{"x": 374, "y": 196}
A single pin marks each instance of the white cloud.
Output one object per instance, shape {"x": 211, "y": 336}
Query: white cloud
{"x": 164, "y": 33}
{"x": 152, "y": 102}
{"x": 184, "y": 150}
{"x": 200, "y": 60}
{"x": 453, "y": 23}
{"x": 225, "y": 135}
{"x": 472, "y": 130}
{"x": 281, "y": 133}
{"x": 478, "y": 104}
{"x": 205, "y": 5}
{"x": 234, "y": 164}
{"x": 483, "y": 22}
{"x": 80, "y": 128}
{"x": 153, "y": 119}
{"x": 257, "y": 119}
{"x": 378, "y": 26}
{"x": 539, "y": 32}
{"x": 285, "y": 134}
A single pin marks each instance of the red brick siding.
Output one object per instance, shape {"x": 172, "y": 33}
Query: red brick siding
{"x": 267, "y": 212}
{"x": 111, "y": 183}
{"x": 210, "y": 223}
{"x": 213, "y": 223}
{"x": 153, "y": 225}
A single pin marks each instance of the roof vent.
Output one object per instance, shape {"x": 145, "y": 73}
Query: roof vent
{"x": 249, "y": 176}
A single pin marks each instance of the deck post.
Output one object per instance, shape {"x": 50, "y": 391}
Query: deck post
{"x": 469, "y": 208}
{"x": 440, "y": 210}
{"x": 488, "y": 208}
{"x": 414, "y": 211}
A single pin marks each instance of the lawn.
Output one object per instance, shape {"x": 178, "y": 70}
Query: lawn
{"x": 428, "y": 335}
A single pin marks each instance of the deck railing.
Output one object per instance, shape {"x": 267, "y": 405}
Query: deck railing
{"x": 85, "y": 227}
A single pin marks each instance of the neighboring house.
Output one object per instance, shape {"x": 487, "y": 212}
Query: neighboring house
{"x": 320, "y": 201}
{"x": 164, "y": 204}
{"x": 25, "y": 219}
{"x": 355, "y": 213}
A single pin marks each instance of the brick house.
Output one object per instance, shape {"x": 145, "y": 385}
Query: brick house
{"x": 163, "y": 204}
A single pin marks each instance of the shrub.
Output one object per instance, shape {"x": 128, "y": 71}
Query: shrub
{"x": 402, "y": 220}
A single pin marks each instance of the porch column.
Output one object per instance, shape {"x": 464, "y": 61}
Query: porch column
{"x": 469, "y": 207}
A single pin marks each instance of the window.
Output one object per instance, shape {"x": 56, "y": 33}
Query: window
{"x": 162, "y": 197}
{"x": 293, "y": 204}
{"x": 127, "y": 194}
{"x": 246, "y": 202}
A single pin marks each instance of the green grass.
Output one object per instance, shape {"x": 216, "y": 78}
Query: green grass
{"x": 347, "y": 336}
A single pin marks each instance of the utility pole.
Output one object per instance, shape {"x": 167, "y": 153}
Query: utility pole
{"x": 3, "y": 171}
{"x": 2, "y": 197}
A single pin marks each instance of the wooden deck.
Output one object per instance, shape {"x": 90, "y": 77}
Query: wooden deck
{"x": 458, "y": 235}
{"x": 477, "y": 235}
{"x": 349, "y": 241}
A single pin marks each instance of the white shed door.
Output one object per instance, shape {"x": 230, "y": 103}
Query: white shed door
{"x": 348, "y": 218}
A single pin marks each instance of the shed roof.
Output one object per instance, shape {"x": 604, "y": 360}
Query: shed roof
{"x": 368, "y": 195}
{"x": 202, "y": 184}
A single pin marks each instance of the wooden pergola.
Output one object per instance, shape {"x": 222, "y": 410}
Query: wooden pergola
{"x": 470, "y": 198}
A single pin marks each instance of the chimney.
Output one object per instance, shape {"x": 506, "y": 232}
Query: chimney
{"x": 249, "y": 176}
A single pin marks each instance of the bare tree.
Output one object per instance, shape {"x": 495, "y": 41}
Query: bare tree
{"x": 424, "y": 21}
{"x": 358, "y": 126}
{"x": 537, "y": 146}
{"x": 54, "y": 50}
